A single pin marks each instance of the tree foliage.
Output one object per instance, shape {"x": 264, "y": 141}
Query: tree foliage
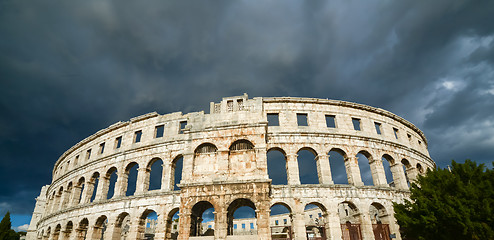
{"x": 456, "y": 204}
{"x": 6, "y": 233}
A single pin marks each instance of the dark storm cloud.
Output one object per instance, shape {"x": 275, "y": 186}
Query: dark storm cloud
{"x": 70, "y": 68}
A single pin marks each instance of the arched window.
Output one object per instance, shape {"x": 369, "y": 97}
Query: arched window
{"x": 307, "y": 166}
{"x": 176, "y": 172}
{"x": 131, "y": 173}
{"x": 388, "y": 161}
{"x": 277, "y": 166}
{"x": 206, "y": 148}
{"x": 365, "y": 170}
{"x": 99, "y": 231}
{"x": 280, "y": 221}
{"x": 202, "y": 212}
{"x": 337, "y": 165}
{"x": 111, "y": 176}
{"x": 94, "y": 186}
{"x": 155, "y": 175}
{"x": 241, "y": 145}
{"x": 242, "y": 208}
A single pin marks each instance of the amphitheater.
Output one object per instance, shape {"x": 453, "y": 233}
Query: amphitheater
{"x": 260, "y": 168}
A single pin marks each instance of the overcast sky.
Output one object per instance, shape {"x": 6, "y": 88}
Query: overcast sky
{"x": 70, "y": 68}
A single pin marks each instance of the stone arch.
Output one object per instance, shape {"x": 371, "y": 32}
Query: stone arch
{"x": 337, "y": 159}
{"x": 420, "y": 169}
{"x": 171, "y": 227}
{"x": 82, "y": 228}
{"x": 242, "y": 157}
{"x": 69, "y": 227}
{"x": 176, "y": 172}
{"x": 196, "y": 218}
{"x": 110, "y": 181}
{"x": 205, "y": 148}
{"x": 307, "y": 167}
{"x": 56, "y": 232}
{"x": 99, "y": 228}
{"x": 407, "y": 169}
{"x": 241, "y": 144}
{"x": 233, "y": 207}
{"x": 280, "y": 221}
{"x": 364, "y": 159}
{"x": 388, "y": 162}
{"x": 129, "y": 180}
{"x": 316, "y": 225}
{"x": 79, "y": 190}
{"x": 93, "y": 186}
{"x": 146, "y": 228}
{"x": 205, "y": 159}
{"x": 380, "y": 220}
{"x": 154, "y": 174}
{"x": 350, "y": 220}
{"x": 276, "y": 163}
{"x": 122, "y": 226}
{"x": 48, "y": 233}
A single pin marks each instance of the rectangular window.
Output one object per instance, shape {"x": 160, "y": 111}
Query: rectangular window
{"x": 182, "y": 126}
{"x": 273, "y": 119}
{"x": 302, "y": 119}
{"x": 320, "y": 215}
{"x": 310, "y": 216}
{"x": 284, "y": 221}
{"x": 88, "y": 153}
{"x": 118, "y": 142}
{"x": 276, "y": 222}
{"x": 395, "y": 130}
{"x": 234, "y": 226}
{"x": 229, "y": 105}
{"x": 243, "y": 225}
{"x": 330, "y": 121}
{"x": 378, "y": 127}
{"x": 159, "y": 130}
{"x": 240, "y": 104}
{"x": 251, "y": 225}
{"x": 76, "y": 160}
{"x": 175, "y": 226}
{"x": 101, "y": 148}
{"x": 409, "y": 137}
{"x": 137, "y": 136}
{"x": 356, "y": 124}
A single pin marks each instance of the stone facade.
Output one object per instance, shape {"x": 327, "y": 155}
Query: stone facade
{"x": 223, "y": 157}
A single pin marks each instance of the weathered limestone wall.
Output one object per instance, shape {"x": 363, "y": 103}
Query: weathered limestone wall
{"x": 224, "y": 159}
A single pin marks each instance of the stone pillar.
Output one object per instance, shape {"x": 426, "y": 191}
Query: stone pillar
{"x": 299, "y": 226}
{"x": 65, "y": 199}
{"x": 292, "y": 169}
{"x": 137, "y": 226}
{"x": 366, "y": 224}
{"x": 353, "y": 171}
{"x": 166, "y": 177}
{"x": 394, "y": 228}
{"x": 100, "y": 189}
{"x": 103, "y": 186}
{"x": 188, "y": 161}
{"x": 220, "y": 224}
{"x": 333, "y": 224}
{"x": 263, "y": 229}
{"x": 141, "y": 187}
{"x": 262, "y": 161}
{"x": 399, "y": 176}
{"x": 412, "y": 173}
{"x": 159, "y": 232}
{"x": 121, "y": 184}
{"x": 377, "y": 171}
{"x": 323, "y": 169}
{"x": 110, "y": 231}
{"x": 88, "y": 192}
{"x": 184, "y": 225}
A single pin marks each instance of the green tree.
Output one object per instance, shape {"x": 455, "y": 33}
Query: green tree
{"x": 450, "y": 204}
{"x": 6, "y": 233}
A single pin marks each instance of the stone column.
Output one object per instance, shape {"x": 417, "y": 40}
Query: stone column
{"x": 88, "y": 191}
{"x": 323, "y": 169}
{"x": 188, "y": 161}
{"x": 220, "y": 224}
{"x": 353, "y": 171}
{"x": 109, "y": 232}
{"x": 159, "y": 232}
{"x": 412, "y": 173}
{"x": 100, "y": 192}
{"x": 333, "y": 223}
{"x": 141, "y": 187}
{"x": 184, "y": 224}
{"x": 137, "y": 226}
{"x": 366, "y": 224}
{"x": 394, "y": 228}
{"x": 262, "y": 161}
{"x": 292, "y": 169}
{"x": 377, "y": 171}
{"x": 166, "y": 177}
{"x": 121, "y": 184}
{"x": 263, "y": 229}
{"x": 299, "y": 225}
{"x": 399, "y": 176}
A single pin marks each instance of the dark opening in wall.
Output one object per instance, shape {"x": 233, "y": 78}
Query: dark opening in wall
{"x": 302, "y": 119}
{"x": 159, "y": 130}
{"x": 330, "y": 121}
{"x": 273, "y": 119}
{"x": 240, "y": 104}
{"x": 395, "y": 130}
{"x": 88, "y": 154}
{"x": 118, "y": 142}
{"x": 101, "y": 148}
{"x": 137, "y": 136}
{"x": 182, "y": 126}
{"x": 378, "y": 127}
{"x": 229, "y": 105}
{"x": 356, "y": 124}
